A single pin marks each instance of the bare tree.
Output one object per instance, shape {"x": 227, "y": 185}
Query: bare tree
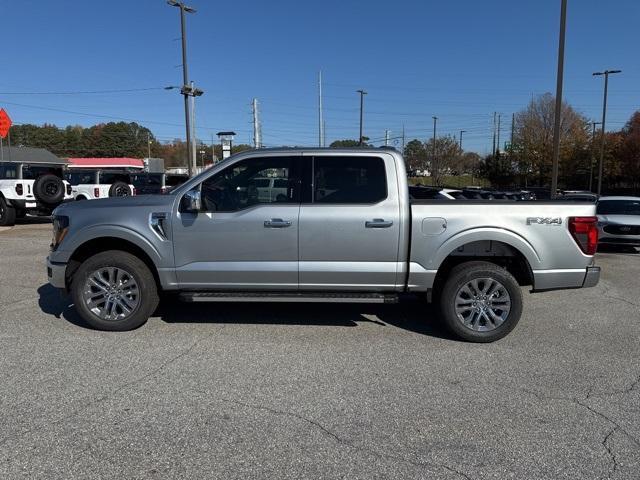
{"x": 533, "y": 138}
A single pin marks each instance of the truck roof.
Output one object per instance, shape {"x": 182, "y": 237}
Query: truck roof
{"x": 289, "y": 150}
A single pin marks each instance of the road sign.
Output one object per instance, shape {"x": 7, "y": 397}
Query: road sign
{"x": 5, "y": 123}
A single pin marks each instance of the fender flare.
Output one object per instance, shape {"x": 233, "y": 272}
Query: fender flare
{"x": 97, "y": 232}
{"x": 507, "y": 237}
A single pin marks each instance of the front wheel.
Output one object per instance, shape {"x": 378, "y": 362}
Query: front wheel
{"x": 481, "y": 302}
{"x": 115, "y": 291}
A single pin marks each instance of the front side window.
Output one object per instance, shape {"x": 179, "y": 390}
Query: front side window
{"x": 349, "y": 180}
{"x": 250, "y": 182}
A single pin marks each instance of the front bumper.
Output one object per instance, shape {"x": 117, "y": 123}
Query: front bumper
{"x": 56, "y": 273}
{"x": 32, "y": 205}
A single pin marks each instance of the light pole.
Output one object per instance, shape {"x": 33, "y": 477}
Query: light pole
{"x": 189, "y": 92}
{"x": 186, "y": 87}
{"x": 604, "y": 116}
{"x": 362, "y": 94}
{"x": 460, "y": 144}
{"x": 558, "y": 111}
{"x": 593, "y": 139}
{"x": 434, "y": 162}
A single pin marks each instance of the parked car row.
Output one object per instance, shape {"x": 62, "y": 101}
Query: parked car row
{"x": 38, "y": 187}
{"x": 422, "y": 192}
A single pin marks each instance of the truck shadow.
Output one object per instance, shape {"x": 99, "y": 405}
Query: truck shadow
{"x": 411, "y": 314}
{"x": 52, "y": 302}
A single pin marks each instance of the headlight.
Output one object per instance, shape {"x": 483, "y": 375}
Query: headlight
{"x": 60, "y": 228}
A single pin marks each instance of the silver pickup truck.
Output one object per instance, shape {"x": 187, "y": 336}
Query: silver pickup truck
{"x": 337, "y": 226}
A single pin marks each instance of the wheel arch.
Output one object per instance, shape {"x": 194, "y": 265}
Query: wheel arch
{"x": 501, "y": 247}
{"x": 101, "y": 244}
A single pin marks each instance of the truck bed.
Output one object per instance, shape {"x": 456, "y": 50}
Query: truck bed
{"x": 535, "y": 230}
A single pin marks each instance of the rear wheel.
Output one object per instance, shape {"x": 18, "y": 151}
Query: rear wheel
{"x": 481, "y": 302}
{"x": 114, "y": 290}
{"x": 7, "y": 214}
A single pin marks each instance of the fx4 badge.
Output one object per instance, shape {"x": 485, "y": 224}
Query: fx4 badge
{"x": 544, "y": 221}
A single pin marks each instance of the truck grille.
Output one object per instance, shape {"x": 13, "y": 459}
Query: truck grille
{"x": 622, "y": 229}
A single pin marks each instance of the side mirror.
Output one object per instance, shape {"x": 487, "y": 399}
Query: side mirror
{"x": 191, "y": 201}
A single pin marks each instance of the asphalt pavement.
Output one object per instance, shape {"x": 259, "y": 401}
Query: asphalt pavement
{"x": 316, "y": 391}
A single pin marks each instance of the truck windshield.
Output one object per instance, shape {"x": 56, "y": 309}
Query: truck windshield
{"x": 619, "y": 207}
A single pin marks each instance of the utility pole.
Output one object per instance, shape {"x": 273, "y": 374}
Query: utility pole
{"x": 386, "y": 138}
{"x": 213, "y": 151}
{"x": 257, "y": 141}
{"x": 403, "y": 138}
{"x": 460, "y": 143}
{"x": 362, "y": 94}
{"x": 558, "y": 110}
{"x": 148, "y": 145}
{"x": 324, "y": 133}
{"x": 513, "y": 129}
{"x": 498, "y": 141}
{"x": 320, "y": 120}
{"x": 493, "y": 150}
{"x": 591, "y": 159}
{"x": 194, "y": 139}
{"x": 185, "y": 90}
{"x": 604, "y": 116}
{"x": 434, "y": 161}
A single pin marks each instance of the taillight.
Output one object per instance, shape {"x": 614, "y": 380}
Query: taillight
{"x": 584, "y": 231}
{"x": 135, "y": 191}
{"x": 96, "y": 192}
{"x": 19, "y": 189}
{"x": 68, "y": 189}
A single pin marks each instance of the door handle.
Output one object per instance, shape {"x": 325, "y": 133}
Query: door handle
{"x": 277, "y": 223}
{"x": 378, "y": 223}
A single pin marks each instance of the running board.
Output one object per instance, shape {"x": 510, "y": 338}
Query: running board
{"x": 320, "y": 297}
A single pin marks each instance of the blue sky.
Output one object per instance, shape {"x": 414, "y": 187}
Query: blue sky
{"x": 459, "y": 60}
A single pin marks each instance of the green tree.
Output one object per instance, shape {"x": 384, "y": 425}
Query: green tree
{"x": 345, "y": 143}
{"x": 415, "y": 155}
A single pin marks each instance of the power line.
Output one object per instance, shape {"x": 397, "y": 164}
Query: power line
{"x": 86, "y": 92}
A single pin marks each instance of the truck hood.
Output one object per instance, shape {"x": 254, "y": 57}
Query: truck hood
{"x": 620, "y": 219}
{"x": 116, "y": 202}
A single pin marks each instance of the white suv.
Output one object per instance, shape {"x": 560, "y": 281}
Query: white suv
{"x": 30, "y": 188}
{"x": 90, "y": 184}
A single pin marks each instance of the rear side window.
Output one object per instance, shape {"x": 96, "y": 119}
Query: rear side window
{"x": 173, "y": 180}
{"x": 8, "y": 171}
{"x": 107, "y": 178}
{"x": 31, "y": 172}
{"x": 349, "y": 180}
{"x": 81, "y": 178}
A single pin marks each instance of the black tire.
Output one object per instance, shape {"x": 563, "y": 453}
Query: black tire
{"x": 147, "y": 290}
{"x": 80, "y": 198}
{"x": 49, "y": 189}
{"x": 7, "y": 214}
{"x": 119, "y": 189}
{"x": 462, "y": 275}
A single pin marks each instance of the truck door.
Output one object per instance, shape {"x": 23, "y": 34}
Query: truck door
{"x": 243, "y": 239}
{"x": 350, "y": 225}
